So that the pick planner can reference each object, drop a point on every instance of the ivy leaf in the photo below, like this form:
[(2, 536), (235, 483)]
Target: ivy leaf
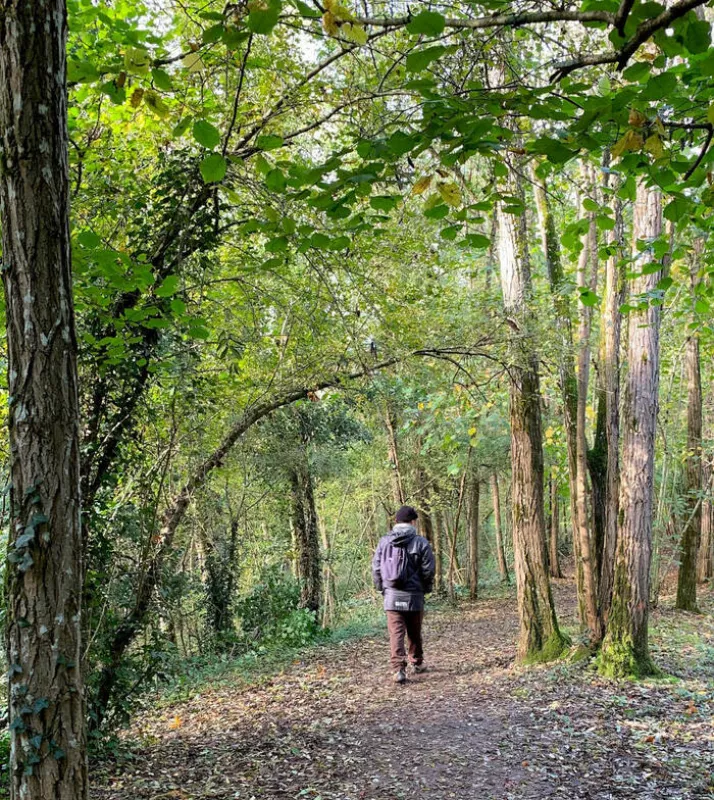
[(214, 168), (429, 23), (206, 134), (420, 60)]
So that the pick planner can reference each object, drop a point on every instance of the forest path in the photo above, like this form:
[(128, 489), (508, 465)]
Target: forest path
[(334, 727)]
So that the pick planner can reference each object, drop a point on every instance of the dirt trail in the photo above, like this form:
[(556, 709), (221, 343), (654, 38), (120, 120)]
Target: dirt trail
[(334, 727)]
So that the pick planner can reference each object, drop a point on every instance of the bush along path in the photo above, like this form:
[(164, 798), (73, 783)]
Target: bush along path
[(333, 726)]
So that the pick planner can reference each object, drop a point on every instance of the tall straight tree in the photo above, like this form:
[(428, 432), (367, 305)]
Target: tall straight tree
[(46, 700), (691, 535), (625, 648), (540, 638)]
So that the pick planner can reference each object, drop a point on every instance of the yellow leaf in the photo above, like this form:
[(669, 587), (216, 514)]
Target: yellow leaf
[(175, 724), (450, 193), (155, 103), (422, 185), (630, 141), (354, 32), (472, 431), (654, 145), (137, 60), (136, 97), (193, 62), (329, 23), (421, 406), (659, 126), (637, 119), (338, 11)]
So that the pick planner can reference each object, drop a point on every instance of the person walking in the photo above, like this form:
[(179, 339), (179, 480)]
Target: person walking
[(403, 570)]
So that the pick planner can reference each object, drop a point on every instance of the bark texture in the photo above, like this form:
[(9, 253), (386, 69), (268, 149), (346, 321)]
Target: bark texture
[(626, 648), (540, 637), (553, 554), (612, 328), (473, 520), (687, 578), (307, 537), (500, 552), (46, 700)]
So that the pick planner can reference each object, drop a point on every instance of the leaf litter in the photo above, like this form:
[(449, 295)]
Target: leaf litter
[(333, 727)]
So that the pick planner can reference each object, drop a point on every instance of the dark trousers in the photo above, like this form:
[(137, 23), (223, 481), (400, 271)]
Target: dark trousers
[(400, 623)]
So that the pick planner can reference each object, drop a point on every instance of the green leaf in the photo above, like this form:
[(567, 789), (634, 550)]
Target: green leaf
[(588, 297), (206, 134), (702, 307), (269, 142), (168, 286), (698, 36), (89, 239), (477, 240), (213, 34), (162, 80), (401, 143), (420, 59), (275, 180), (214, 168), (263, 16), (277, 245), (676, 209), (384, 203), (429, 23), (306, 10), (590, 205), (181, 127)]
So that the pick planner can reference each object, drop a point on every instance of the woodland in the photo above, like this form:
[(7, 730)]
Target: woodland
[(273, 268)]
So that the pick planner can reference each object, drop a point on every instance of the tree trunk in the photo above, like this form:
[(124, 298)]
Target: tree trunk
[(500, 552), (306, 536), (612, 327), (438, 544), (473, 535), (626, 649), (566, 362), (553, 554), (48, 757), (328, 579), (395, 472), (691, 535), (705, 562), (540, 637), (587, 277)]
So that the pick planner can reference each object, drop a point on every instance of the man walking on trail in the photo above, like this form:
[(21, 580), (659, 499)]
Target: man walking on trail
[(403, 570)]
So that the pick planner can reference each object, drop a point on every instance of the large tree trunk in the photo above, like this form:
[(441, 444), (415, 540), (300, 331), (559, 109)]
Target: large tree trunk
[(553, 554), (612, 327), (625, 649), (687, 579), (500, 552), (48, 758), (473, 519), (540, 637), (307, 537), (587, 585)]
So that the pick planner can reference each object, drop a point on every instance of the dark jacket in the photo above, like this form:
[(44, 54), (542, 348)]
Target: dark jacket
[(420, 580)]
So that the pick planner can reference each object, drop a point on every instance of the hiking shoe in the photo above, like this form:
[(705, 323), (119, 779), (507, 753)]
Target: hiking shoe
[(419, 668), (400, 677)]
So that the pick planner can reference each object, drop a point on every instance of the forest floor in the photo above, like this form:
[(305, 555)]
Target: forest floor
[(332, 725)]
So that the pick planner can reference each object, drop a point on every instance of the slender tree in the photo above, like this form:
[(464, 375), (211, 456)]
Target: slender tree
[(473, 523), (44, 583), (625, 648), (687, 577), (553, 554), (500, 552)]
